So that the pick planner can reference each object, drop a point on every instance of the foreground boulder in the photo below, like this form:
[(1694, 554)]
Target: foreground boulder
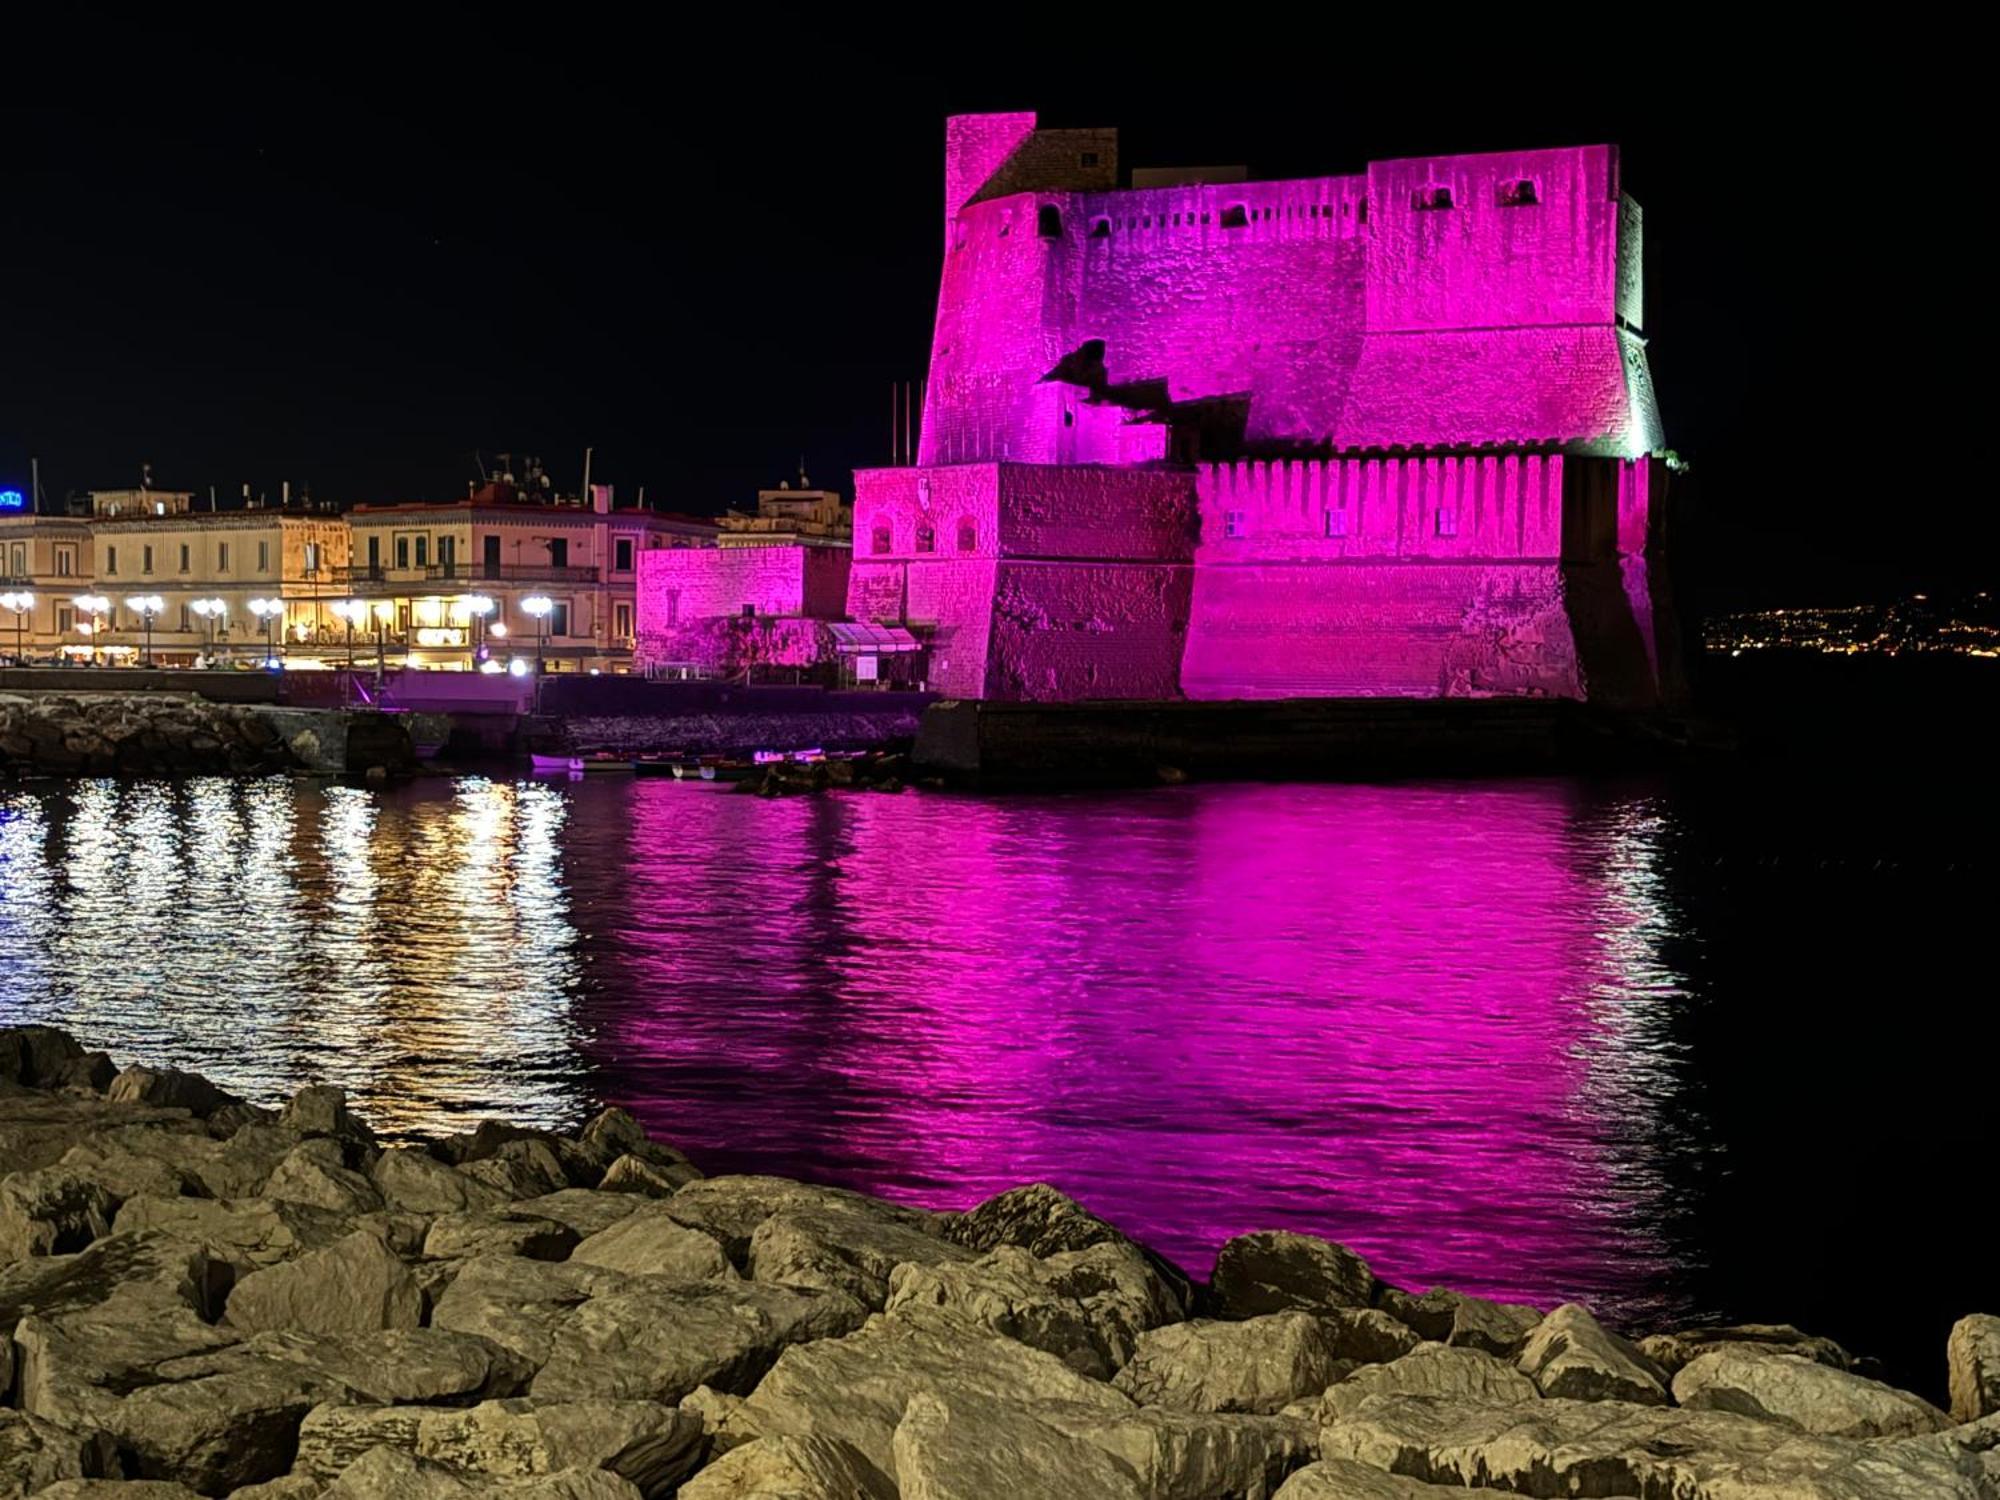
[(1446, 1317), (520, 1304), (389, 1474), (1558, 1447), (855, 1389), (1086, 1307), (837, 1249), (657, 1340), (962, 1448), (355, 1284), (1277, 1272), (651, 1242), (1039, 1219), (1802, 1393), (36, 1453), (790, 1468), (1570, 1354), (53, 1211), (1670, 1351), (1431, 1370), (1972, 1357), (1259, 1365)]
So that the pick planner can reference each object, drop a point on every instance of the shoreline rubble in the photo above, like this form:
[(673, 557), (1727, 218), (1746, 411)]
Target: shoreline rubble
[(203, 1297)]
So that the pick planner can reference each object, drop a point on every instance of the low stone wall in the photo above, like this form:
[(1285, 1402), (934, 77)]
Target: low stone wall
[(739, 733), (204, 1297)]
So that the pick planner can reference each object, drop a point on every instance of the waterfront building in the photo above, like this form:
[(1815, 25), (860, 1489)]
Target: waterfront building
[(44, 562), (788, 515), (1383, 433), (447, 581), (222, 586)]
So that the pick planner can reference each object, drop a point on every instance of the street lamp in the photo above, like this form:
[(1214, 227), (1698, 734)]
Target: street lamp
[(210, 611), (350, 612), (97, 607), (148, 607), (268, 610), (540, 607), (477, 608), (23, 605)]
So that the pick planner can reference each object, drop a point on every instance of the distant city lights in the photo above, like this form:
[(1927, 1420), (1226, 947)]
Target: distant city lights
[(13, 500), (1919, 624)]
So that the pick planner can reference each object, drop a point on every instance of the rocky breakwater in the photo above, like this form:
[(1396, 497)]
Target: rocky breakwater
[(202, 1297), (79, 734)]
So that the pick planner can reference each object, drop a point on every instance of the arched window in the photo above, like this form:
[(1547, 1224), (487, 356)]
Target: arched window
[(1100, 229), (1519, 194), (1048, 222), (882, 541), (1236, 216), (1434, 196), (927, 538), (968, 534)]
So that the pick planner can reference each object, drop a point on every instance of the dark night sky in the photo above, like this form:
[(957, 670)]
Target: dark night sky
[(351, 259)]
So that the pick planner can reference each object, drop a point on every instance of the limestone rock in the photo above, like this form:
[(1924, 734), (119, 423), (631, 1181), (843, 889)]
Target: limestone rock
[(614, 1134), (790, 1468), (286, 1487), (117, 1489), (35, 1453), (1496, 1328), (584, 1210), (314, 1174), (722, 1424), (250, 1233), (1431, 1369), (92, 1071), (1972, 1358), (124, 1173), (839, 1250), (388, 1365), (37, 1128), (36, 1056), (1672, 1350), (457, 1236), (1612, 1448), (138, 1275), (652, 1446), (1569, 1353), (318, 1109), (658, 1341), (389, 1474), (1257, 1365), (1343, 1479), (521, 1169), (51, 1211), (353, 1285), (854, 1389), (519, 1304), (170, 1088), (955, 1448), (1043, 1221), (1189, 1455), (730, 1209), (1086, 1307), (1366, 1335), (1277, 1271), (333, 1436), (417, 1182), (632, 1174), (651, 1242), (1801, 1393)]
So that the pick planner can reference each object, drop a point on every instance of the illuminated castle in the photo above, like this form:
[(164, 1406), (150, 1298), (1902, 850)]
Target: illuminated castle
[(1390, 433)]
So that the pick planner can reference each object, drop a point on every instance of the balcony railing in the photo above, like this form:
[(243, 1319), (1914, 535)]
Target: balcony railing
[(464, 573)]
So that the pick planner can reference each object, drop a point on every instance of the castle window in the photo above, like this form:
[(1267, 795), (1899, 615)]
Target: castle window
[(927, 538), (1520, 194), (749, 611), (1100, 229), (968, 534), (1048, 222), (1434, 196), (1361, 211), (1235, 523), (1087, 159), (1236, 216), (882, 541), (1204, 218), (1336, 523), (1069, 417), (1447, 523)]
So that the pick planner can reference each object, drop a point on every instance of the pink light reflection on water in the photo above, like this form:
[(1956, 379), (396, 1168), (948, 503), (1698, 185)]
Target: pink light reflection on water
[(1414, 1019)]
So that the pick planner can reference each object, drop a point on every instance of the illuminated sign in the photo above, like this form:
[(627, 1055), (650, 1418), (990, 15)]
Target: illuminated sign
[(440, 636), (12, 500)]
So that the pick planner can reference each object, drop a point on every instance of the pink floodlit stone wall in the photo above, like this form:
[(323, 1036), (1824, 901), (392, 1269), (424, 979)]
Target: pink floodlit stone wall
[(1040, 583), (1444, 301), (1418, 577), (684, 591)]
